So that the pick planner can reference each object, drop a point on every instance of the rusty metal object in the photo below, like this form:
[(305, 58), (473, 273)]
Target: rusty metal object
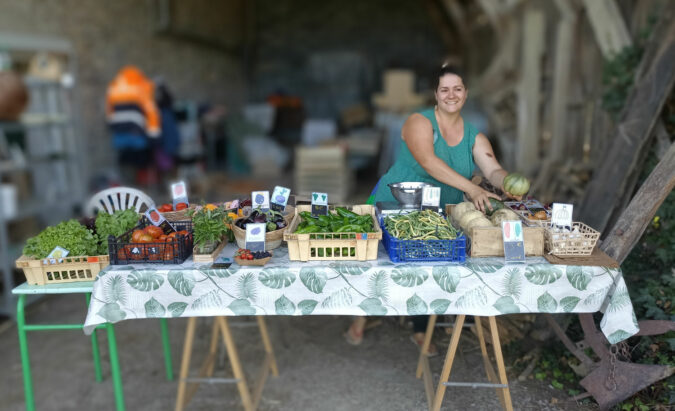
[(655, 327), (629, 378), (611, 380)]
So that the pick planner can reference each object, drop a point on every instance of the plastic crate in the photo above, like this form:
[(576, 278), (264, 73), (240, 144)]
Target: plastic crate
[(69, 269), (333, 246), (423, 250), (123, 251)]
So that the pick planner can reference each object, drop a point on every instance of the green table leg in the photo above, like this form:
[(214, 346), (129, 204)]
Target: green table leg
[(115, 368), (95, 350), (166, 344), (25, 361)]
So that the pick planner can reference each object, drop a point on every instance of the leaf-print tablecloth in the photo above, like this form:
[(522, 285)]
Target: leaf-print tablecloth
[(482, 286)]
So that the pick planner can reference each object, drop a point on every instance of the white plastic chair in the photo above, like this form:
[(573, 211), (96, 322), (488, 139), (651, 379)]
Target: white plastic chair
[(118, 198)]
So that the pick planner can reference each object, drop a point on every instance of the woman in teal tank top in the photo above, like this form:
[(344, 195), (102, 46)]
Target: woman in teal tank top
[(442, 149)]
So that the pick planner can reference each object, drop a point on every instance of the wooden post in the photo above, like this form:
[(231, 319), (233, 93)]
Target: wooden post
[(634, 220), (636, 124), (527, 155), (608, 25), (561, 80)]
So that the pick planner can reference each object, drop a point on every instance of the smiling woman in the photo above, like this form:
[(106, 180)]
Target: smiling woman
[(442, 149)]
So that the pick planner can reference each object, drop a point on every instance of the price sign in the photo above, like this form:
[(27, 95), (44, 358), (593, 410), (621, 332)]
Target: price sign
[(56, 255), (514, 243), (319, 204), (156, 218), (255, 236), (280, 198), (261, 200), (431, 198), (561, 215), (179, 194)]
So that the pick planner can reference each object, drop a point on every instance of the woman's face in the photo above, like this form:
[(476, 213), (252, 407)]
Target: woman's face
[(451, 93)]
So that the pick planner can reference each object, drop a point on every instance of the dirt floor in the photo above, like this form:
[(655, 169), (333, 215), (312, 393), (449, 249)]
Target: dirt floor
[(318, 370)]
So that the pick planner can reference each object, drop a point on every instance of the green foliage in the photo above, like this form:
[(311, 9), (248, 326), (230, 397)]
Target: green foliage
[(71, 235), (210, 225), (114, 224), (618, 74)]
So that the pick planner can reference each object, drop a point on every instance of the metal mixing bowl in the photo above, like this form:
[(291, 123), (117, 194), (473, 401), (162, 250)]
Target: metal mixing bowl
[(408, 193)]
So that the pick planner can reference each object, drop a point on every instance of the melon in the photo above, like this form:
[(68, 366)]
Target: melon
[(516, 184), (478, 222), (503, 215), (468, 216), (460, 209)]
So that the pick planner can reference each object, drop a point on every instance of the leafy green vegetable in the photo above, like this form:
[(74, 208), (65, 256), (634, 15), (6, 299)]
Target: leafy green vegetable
[(114, 224), (70, 235)]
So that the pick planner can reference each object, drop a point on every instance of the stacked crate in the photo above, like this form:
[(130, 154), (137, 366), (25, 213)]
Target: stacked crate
[(322, 169)]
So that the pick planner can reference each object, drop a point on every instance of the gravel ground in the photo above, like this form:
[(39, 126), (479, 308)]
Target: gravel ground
[(317, 369)]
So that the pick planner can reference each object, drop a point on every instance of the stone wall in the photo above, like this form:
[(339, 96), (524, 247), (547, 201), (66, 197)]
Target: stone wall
[(109, 34)]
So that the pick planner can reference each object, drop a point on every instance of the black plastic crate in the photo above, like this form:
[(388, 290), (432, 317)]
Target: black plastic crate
[(122, 250)]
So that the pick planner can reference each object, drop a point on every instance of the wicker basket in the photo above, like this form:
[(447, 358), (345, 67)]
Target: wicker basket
[(71, 269), (272, 238), (333, 246), (259, 262), (579, 242), (181, 215)]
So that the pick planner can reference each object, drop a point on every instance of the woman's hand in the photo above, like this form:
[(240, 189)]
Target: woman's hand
[(481, 198), (509, 195)]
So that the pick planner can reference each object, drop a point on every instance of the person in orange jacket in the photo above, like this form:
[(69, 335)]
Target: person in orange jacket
[(131, 87)]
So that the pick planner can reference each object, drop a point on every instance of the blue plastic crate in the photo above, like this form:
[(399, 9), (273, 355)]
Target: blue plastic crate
[(423, 250)]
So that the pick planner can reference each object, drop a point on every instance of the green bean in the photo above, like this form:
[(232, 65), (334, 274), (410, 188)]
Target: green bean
[(420, 225)]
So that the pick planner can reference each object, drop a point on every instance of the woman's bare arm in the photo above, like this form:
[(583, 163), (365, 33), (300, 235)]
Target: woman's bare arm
[(418, 136)]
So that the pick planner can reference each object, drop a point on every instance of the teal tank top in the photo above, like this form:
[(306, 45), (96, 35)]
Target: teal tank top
[(406, 168)]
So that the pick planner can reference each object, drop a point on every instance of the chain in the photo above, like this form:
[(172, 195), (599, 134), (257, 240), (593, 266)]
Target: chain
[(610, 382)]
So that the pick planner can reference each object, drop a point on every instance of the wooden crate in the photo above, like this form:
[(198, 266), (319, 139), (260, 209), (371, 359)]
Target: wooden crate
[(208, 258), (488, 241), (307, 247), (71, 269)]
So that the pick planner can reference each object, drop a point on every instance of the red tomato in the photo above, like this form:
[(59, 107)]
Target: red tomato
[(136, 236), (154, 231), (181, 206)]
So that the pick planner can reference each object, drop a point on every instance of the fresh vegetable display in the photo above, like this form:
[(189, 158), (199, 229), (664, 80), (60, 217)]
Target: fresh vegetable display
[(420, 225), (466, 215), (71, 235), (246, 254), (339, 221), (114, 224), (274, 220), (210, 226)]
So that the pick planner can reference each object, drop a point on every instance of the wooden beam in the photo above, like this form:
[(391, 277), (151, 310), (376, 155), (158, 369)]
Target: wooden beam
[(527, 155), (561, 79), (608, 25), (639, 213), (637, 121), (441, 24)]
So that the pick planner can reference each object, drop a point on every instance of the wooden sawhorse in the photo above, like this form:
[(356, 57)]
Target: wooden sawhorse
[(423, 370), (188, 386)]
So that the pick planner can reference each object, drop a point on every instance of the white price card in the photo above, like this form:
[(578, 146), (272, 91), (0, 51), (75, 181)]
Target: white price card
[(179, 193), (56, 255), (255, 236), (514, 243), (279, 198), (261, 200), (319, 204), (431, 198), (561, 215), (155, 217)]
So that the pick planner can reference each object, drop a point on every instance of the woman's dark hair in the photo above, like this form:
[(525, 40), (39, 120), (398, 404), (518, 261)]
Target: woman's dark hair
[(449, 69)]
